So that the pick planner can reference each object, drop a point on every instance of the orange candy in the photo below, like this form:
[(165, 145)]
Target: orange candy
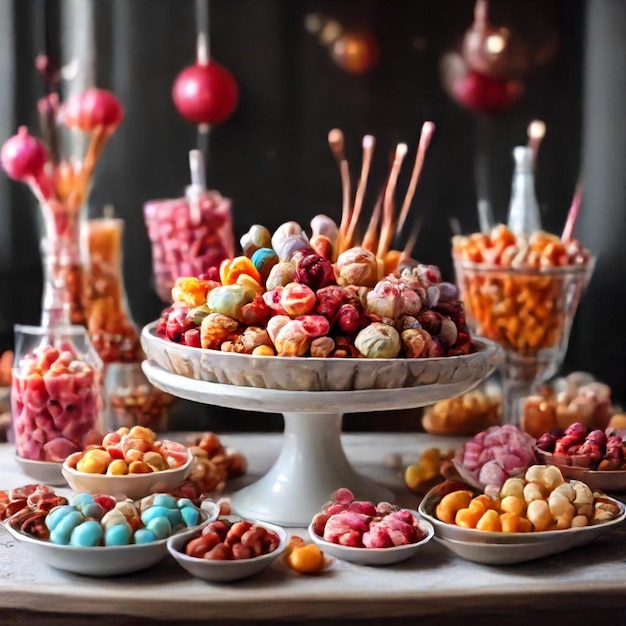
[(231, 269)]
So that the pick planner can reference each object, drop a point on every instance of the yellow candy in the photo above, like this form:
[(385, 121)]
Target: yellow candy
[(231, 269), (141, 432), (139, 467), (190, 290), (117, 468), (94, 462), (263, 351), (155, 461)]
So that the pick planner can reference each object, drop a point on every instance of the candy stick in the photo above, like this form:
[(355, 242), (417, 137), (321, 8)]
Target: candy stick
[(370, 239), (368, 151), (197, 187), (427, 133), (203, 57), (336, 143), (536, 132), (386, 231), (572, 216)]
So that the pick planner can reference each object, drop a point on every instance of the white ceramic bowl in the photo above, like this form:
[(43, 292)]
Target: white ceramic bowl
[(456, 374), (101, 560), (224, 571), (46, 472), (498, 548), (133, 486), (605, 480), (374, 556)]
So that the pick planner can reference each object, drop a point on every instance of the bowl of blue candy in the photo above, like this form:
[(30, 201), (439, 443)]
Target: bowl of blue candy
[(99, 535)]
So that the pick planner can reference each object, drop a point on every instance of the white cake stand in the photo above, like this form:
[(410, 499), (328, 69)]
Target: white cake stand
[(312, 463)]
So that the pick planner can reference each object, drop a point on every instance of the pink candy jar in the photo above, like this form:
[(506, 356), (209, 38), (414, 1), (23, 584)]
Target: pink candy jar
[(56, 391), (189, 235)]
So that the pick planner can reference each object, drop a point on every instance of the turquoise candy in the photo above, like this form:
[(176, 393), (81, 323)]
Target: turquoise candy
[(184, 502), (190, 515), (118, 535), (152, 512), (175, 517), (264, 260), (143, 535), (80, 499), (85, 503), (57, 514), (164, 499), (63, 529), (160, 527), (87, 534)]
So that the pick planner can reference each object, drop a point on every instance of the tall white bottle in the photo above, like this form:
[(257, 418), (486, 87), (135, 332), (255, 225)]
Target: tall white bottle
[(524, 217)]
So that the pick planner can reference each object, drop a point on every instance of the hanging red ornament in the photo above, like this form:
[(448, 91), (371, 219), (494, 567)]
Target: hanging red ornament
[(355, 52), (474, 90), (205, 93)]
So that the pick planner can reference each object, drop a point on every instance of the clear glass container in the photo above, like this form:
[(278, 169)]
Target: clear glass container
[(529, 313), (189, 235), (109, 322), (56, 397)]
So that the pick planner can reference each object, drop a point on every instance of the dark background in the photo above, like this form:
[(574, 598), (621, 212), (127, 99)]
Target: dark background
[(272, 156)]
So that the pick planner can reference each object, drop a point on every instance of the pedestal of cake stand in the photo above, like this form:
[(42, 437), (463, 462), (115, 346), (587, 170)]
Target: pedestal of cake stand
[(311, 465)]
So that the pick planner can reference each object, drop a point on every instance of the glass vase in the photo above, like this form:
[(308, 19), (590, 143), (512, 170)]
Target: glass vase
[(188, 237), (64, 257), (56, 391)]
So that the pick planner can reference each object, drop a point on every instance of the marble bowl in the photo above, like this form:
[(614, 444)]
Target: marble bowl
[(457, 373), (102, 561), (45, 472), (133, 486), (375, 556), (497, 548), (224, 571)]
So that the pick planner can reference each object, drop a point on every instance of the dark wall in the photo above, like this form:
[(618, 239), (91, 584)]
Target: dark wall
[(272, 156)]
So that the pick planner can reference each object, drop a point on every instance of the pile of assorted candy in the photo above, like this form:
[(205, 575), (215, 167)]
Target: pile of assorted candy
[(102, 520), (129, 451), (288, 295)]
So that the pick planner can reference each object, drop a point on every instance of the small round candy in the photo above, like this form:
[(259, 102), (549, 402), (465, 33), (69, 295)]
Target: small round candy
[(63, 530), (257, 237), (118, 468), (153, 512), (118, 535), (87, 534), (57, 514), (164, 499), (190, 515), (160, 527), (143, 535), (175, 517), (264, 260)]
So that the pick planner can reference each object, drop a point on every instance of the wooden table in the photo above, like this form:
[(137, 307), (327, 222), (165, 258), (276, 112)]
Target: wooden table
[(583, 586)]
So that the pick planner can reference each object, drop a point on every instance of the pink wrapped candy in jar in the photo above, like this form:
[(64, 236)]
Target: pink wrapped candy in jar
[(56, 391)]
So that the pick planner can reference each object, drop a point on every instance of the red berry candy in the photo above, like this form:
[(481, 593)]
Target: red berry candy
[(23, 156), (205, 94), (92, 108)]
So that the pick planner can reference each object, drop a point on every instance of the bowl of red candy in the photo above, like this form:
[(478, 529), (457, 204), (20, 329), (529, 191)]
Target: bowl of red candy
[(228, 548), (595, 457), (365, 533)]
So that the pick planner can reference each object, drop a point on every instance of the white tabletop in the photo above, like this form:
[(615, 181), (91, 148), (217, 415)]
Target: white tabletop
[(435, 582)]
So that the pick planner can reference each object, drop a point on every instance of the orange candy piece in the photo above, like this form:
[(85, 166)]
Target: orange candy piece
[(231, 269)]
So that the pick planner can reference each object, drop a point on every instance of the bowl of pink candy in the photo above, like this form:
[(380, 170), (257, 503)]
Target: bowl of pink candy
[(132, 462), (365, 533)]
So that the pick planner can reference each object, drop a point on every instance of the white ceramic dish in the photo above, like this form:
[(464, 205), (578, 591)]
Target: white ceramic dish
[(374, 556), (507, 548), (133, 486), (459, 373), (608, 480), (224, 571), (101, 560), (46, 472)]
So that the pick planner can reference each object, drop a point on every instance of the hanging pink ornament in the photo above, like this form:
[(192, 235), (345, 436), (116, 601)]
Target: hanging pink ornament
[(205, 93), (495, 52), (23, 156)]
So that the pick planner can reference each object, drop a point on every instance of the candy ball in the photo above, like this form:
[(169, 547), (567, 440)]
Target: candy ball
[(87, 534), (118, 535), (378, 341)]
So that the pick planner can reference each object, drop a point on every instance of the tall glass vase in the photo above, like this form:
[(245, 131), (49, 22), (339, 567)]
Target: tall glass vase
[(64, 258)]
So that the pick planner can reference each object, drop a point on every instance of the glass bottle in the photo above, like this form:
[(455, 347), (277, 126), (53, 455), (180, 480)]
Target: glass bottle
[(55, 392), (130, 399), (524, 216)]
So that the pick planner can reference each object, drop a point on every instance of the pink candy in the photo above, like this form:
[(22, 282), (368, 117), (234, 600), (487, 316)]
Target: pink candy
[(54, 409)]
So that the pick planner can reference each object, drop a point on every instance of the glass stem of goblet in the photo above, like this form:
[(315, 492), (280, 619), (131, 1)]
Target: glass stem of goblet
[(513, 391)]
